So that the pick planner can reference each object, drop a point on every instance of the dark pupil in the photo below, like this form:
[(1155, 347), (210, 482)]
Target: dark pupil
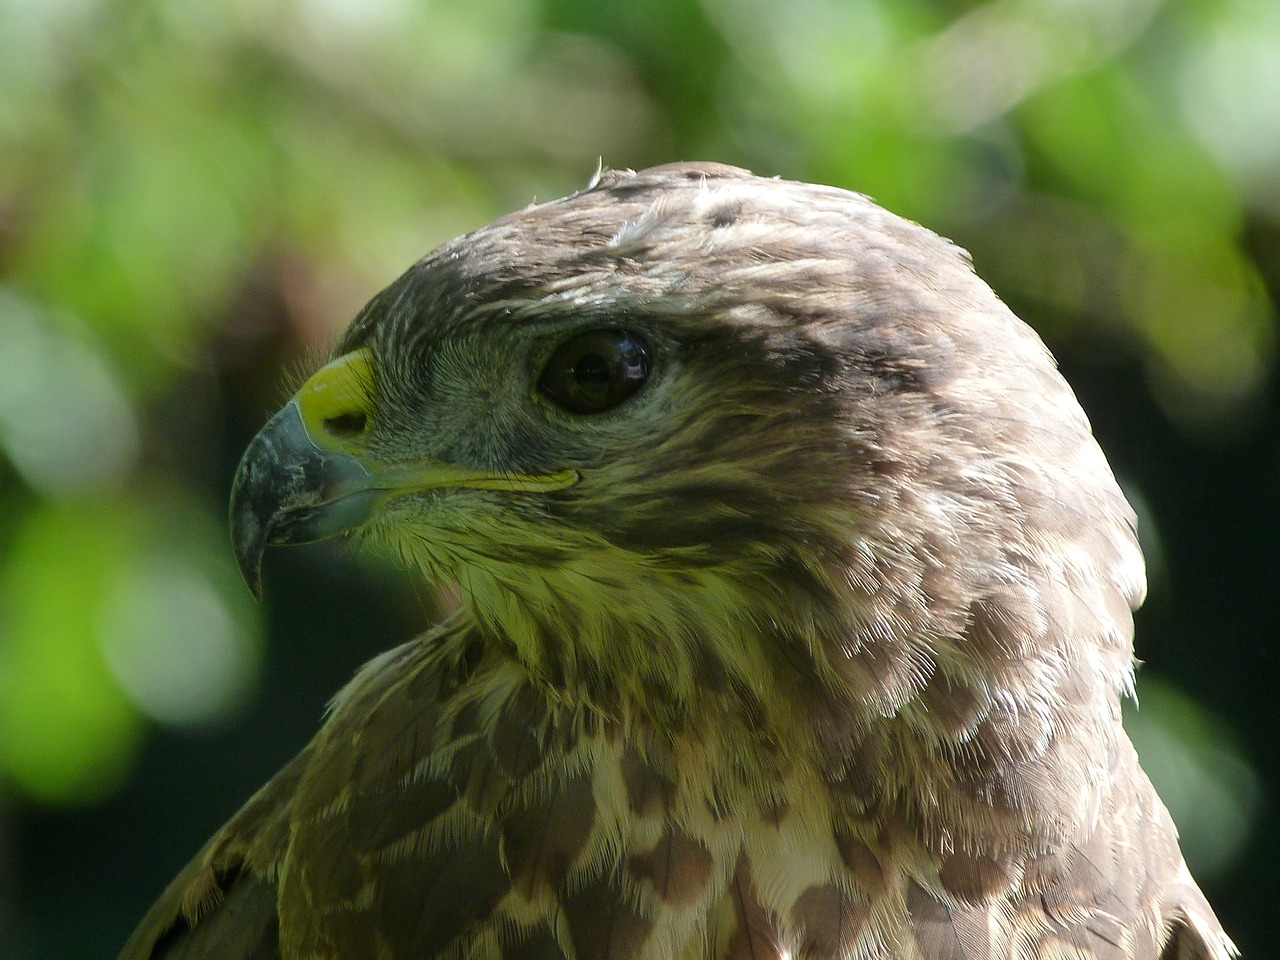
[(591, 374), (595, 371)]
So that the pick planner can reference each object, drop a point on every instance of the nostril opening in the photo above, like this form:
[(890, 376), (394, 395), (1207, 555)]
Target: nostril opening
[(346, 424)]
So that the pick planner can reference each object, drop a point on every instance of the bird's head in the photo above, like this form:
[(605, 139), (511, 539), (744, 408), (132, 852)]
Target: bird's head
[(691, 424)]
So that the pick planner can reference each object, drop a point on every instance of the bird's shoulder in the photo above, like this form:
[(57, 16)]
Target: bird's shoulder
[(226, 902), (223, 903)]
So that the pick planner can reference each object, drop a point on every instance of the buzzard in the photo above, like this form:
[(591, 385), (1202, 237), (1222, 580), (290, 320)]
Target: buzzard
[(795, 612)]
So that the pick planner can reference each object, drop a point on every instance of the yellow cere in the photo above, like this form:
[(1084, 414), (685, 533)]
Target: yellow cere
[(339, 399), (337, 406)]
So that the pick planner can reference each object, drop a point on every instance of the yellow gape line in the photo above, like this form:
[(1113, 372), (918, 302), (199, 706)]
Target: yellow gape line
[(337, 404)]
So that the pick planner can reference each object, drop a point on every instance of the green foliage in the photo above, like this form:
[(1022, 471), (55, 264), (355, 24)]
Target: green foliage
[(67, 731), (112, 611)]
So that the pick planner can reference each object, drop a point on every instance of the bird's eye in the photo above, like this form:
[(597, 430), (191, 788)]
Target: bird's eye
[(595, 371)]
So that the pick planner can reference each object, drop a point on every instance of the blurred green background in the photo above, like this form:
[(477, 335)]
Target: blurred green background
[(198, 194)]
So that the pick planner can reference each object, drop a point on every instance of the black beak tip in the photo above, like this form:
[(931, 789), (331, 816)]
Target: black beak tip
[(253, 579), (287, 490), (249, 533), (249, 550)]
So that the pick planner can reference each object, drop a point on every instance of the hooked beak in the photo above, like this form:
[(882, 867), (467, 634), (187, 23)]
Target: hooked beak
[(289, 489), (303, 478), (306, 476)]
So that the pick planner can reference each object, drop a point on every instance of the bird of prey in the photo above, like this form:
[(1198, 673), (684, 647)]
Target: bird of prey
[(795, 612)]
